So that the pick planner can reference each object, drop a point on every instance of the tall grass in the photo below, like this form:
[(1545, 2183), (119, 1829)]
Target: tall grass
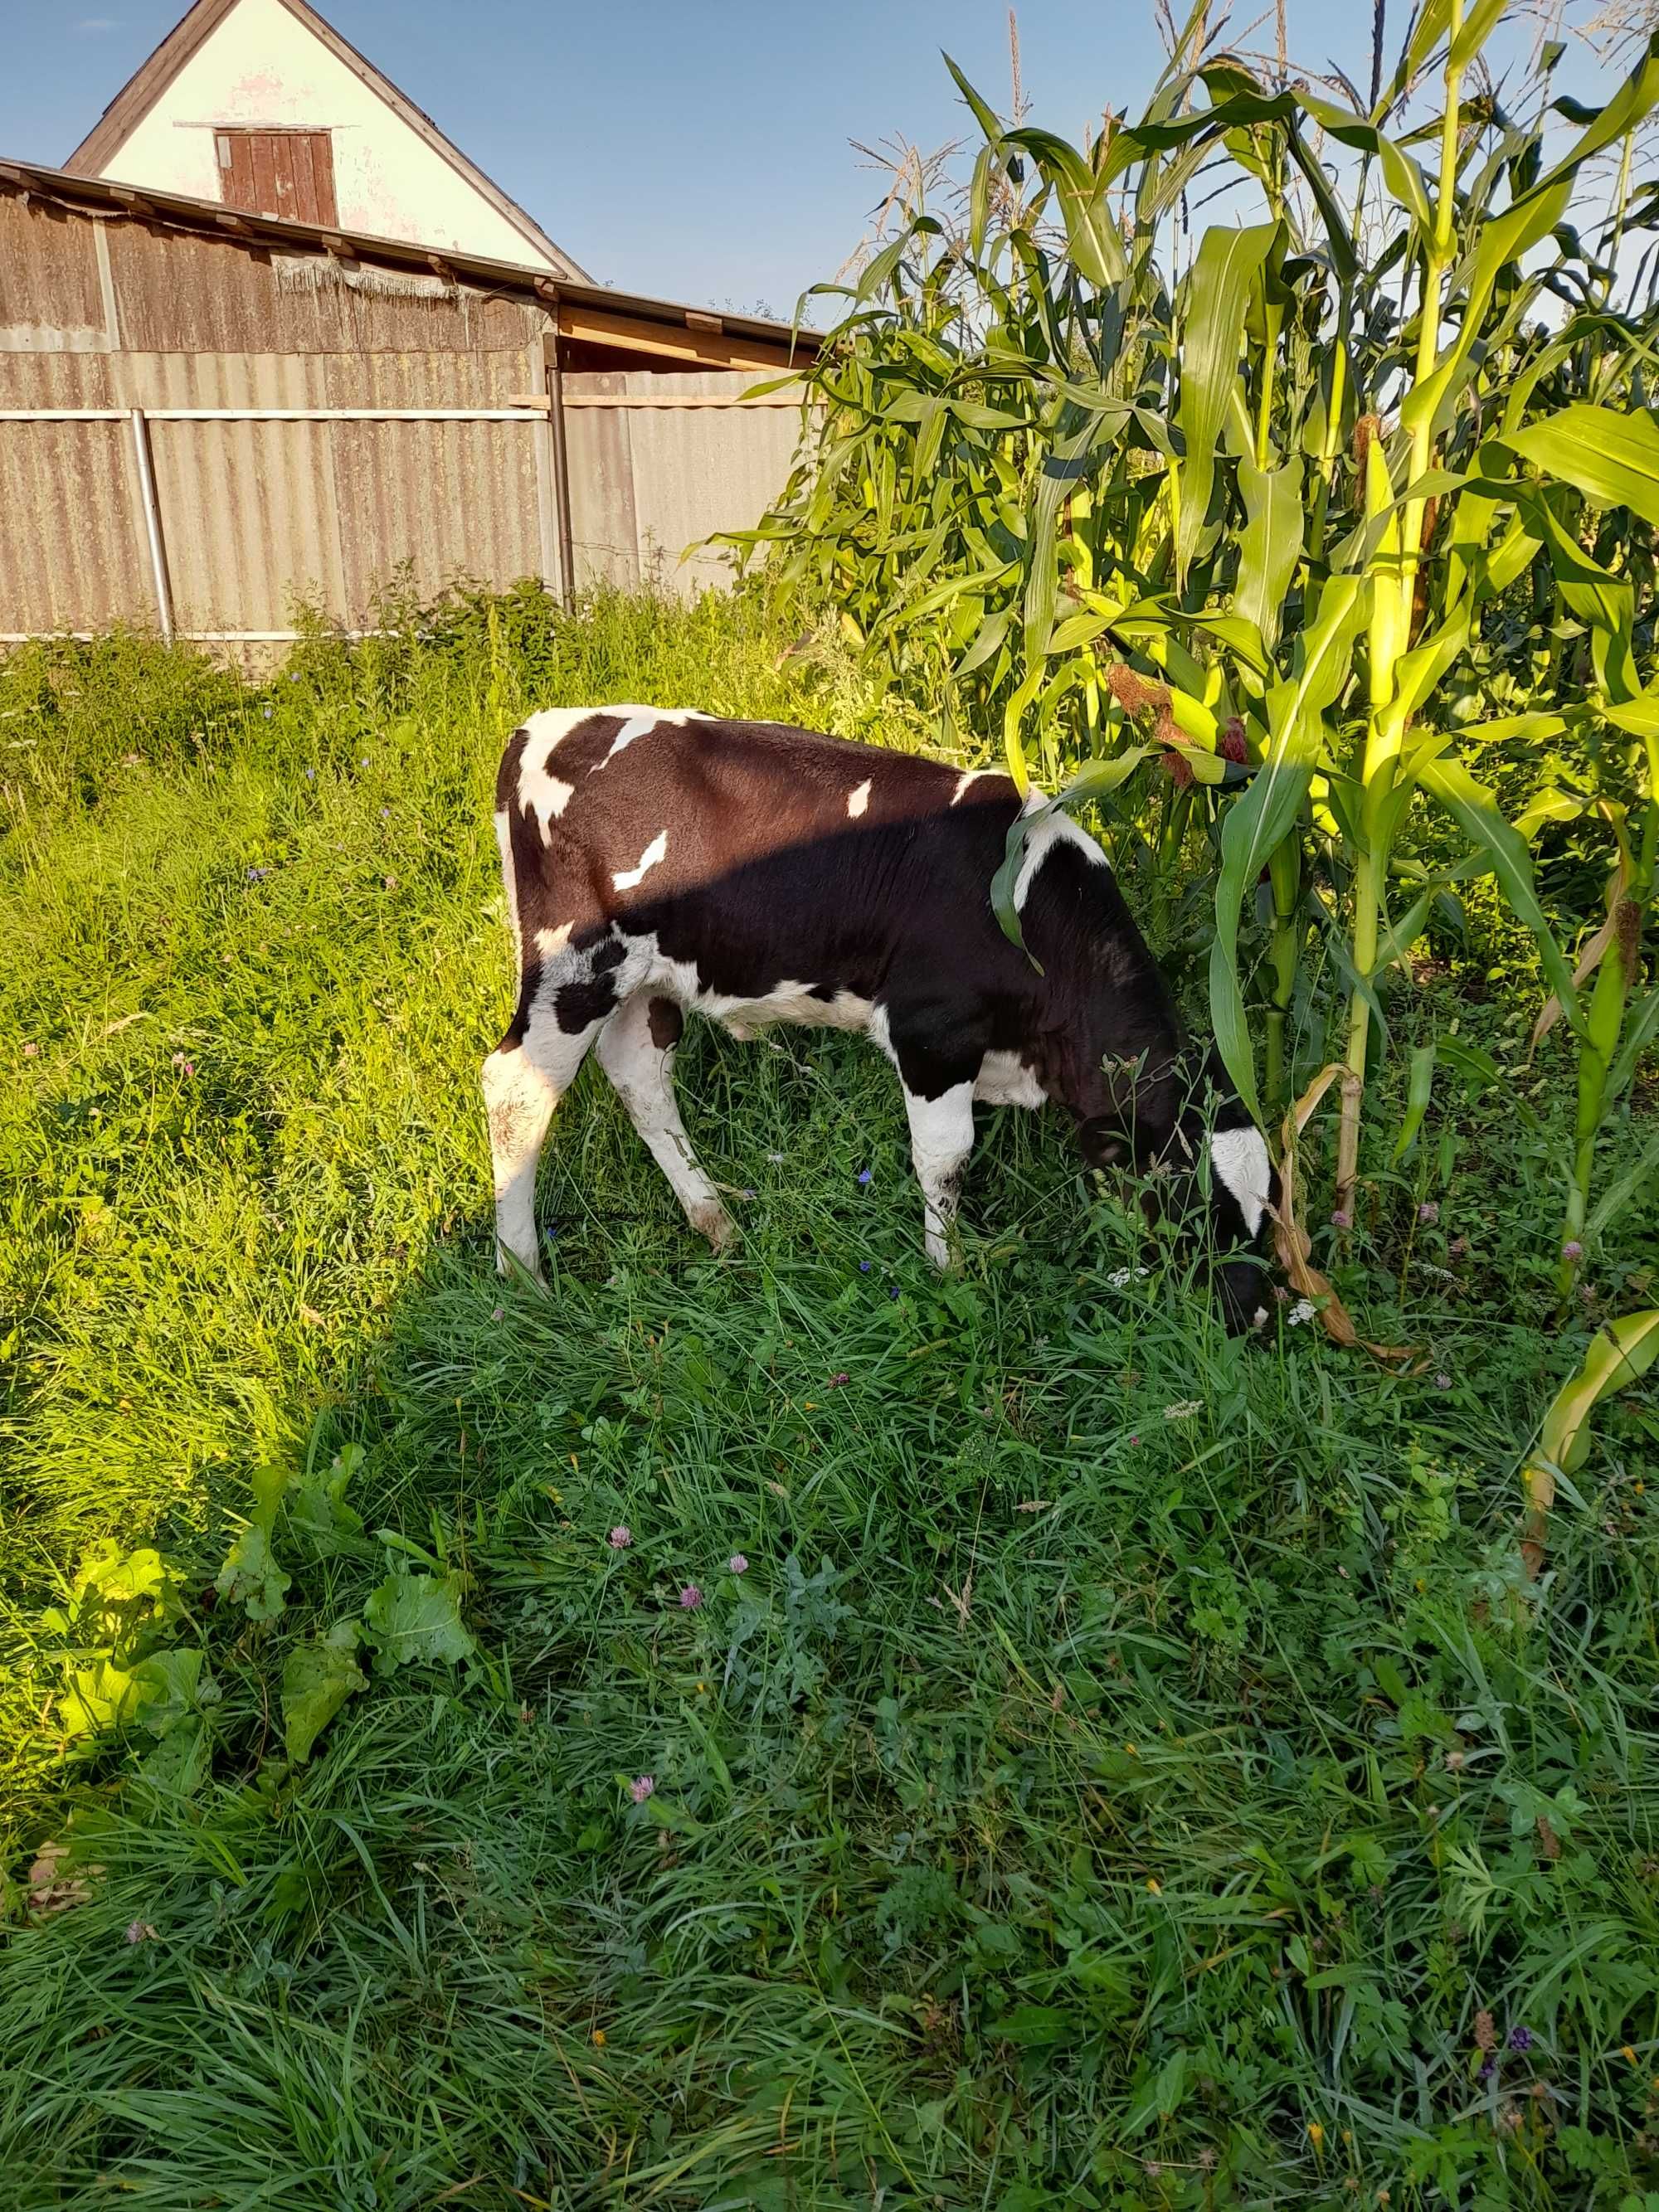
[(1132, 1769)]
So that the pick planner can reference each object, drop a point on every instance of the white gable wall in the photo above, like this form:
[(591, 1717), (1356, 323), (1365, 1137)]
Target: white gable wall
[(262, 67)]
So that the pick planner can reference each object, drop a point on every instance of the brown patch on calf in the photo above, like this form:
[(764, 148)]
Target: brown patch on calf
[(665, 1021)]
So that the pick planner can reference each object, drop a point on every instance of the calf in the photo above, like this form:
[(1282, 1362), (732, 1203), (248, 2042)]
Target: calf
[(659, 860)]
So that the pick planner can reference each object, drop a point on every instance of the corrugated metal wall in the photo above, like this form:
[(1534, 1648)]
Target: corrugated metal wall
[(651, 474), (260, 517)]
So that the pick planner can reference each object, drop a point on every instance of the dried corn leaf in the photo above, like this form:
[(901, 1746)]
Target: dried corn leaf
[(1290, 1239)]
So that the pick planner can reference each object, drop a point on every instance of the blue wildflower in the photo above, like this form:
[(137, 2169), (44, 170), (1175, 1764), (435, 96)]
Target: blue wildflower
[(864, 1266), (1520, 2039), (865, 1175)]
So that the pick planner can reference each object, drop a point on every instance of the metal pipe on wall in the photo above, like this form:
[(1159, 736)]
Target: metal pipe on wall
[(560, 467), (158, 552)]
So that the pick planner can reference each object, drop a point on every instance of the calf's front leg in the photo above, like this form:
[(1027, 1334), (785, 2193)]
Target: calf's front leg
[(941, 1139)]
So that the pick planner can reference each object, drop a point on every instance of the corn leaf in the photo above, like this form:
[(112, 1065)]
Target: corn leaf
[(1419, 1085), (1271, 545), (1639, 715), (1477, 815), (1641, 1030), (1623, 1353), (1611, 457), (1228, 264), (1618, 1194), (1268, 806)]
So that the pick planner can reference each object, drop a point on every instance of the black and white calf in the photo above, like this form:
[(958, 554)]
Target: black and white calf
[(659, 860)]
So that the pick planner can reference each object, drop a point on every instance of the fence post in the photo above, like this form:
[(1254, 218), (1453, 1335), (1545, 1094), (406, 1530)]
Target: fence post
[(554, 376), (158, 554)]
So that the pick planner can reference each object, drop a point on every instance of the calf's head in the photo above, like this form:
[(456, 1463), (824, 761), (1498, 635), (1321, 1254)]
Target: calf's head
[(1178, 1121)]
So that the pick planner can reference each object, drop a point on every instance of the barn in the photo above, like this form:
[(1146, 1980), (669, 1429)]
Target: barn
[(225, 398)]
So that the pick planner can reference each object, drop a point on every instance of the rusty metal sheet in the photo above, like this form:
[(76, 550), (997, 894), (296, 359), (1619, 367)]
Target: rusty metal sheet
[(180, 292), (57, 380), (72, 551), (258, 516), (671, 476), (220, 379), (446, 501), (604, 527), (489, 378), (51, 298), (249, 515)]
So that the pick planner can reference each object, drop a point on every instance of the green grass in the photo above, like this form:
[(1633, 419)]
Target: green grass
[(1131, 1763)]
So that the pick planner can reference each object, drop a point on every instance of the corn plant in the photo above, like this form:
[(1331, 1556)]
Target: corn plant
[(1306, 529)]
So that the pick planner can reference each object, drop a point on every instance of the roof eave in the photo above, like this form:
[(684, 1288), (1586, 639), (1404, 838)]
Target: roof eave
[(209, 219)]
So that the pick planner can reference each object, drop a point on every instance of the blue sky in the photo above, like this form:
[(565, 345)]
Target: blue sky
[(694, 149)]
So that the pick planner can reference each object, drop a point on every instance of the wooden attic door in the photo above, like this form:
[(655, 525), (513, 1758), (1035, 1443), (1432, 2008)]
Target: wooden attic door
[(283, 173)]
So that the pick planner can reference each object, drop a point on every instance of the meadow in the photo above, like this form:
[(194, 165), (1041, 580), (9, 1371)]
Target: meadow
[(1092, 1761)]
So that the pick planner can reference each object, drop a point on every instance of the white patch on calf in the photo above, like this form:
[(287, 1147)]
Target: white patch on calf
[(1055, 829), (637, 726), (509, 876), (967, 779), (548, 731), (656, 850), (1005, 1079), (1239, 1159), (552, 942), (858, 801), (797, 1003), (546, 794), (522, 1086)]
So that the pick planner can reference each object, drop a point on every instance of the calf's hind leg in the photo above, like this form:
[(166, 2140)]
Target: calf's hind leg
[(523, 1079), (636, 1051)]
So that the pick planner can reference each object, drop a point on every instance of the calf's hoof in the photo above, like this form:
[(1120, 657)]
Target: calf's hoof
[(513, 1266), (715, 1223)]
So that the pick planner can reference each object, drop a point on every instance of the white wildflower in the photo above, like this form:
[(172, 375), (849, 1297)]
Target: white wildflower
[(1304, 1309), (1185, 1411)]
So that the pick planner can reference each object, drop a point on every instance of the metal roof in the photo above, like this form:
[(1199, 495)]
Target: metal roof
[(713, 339)]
